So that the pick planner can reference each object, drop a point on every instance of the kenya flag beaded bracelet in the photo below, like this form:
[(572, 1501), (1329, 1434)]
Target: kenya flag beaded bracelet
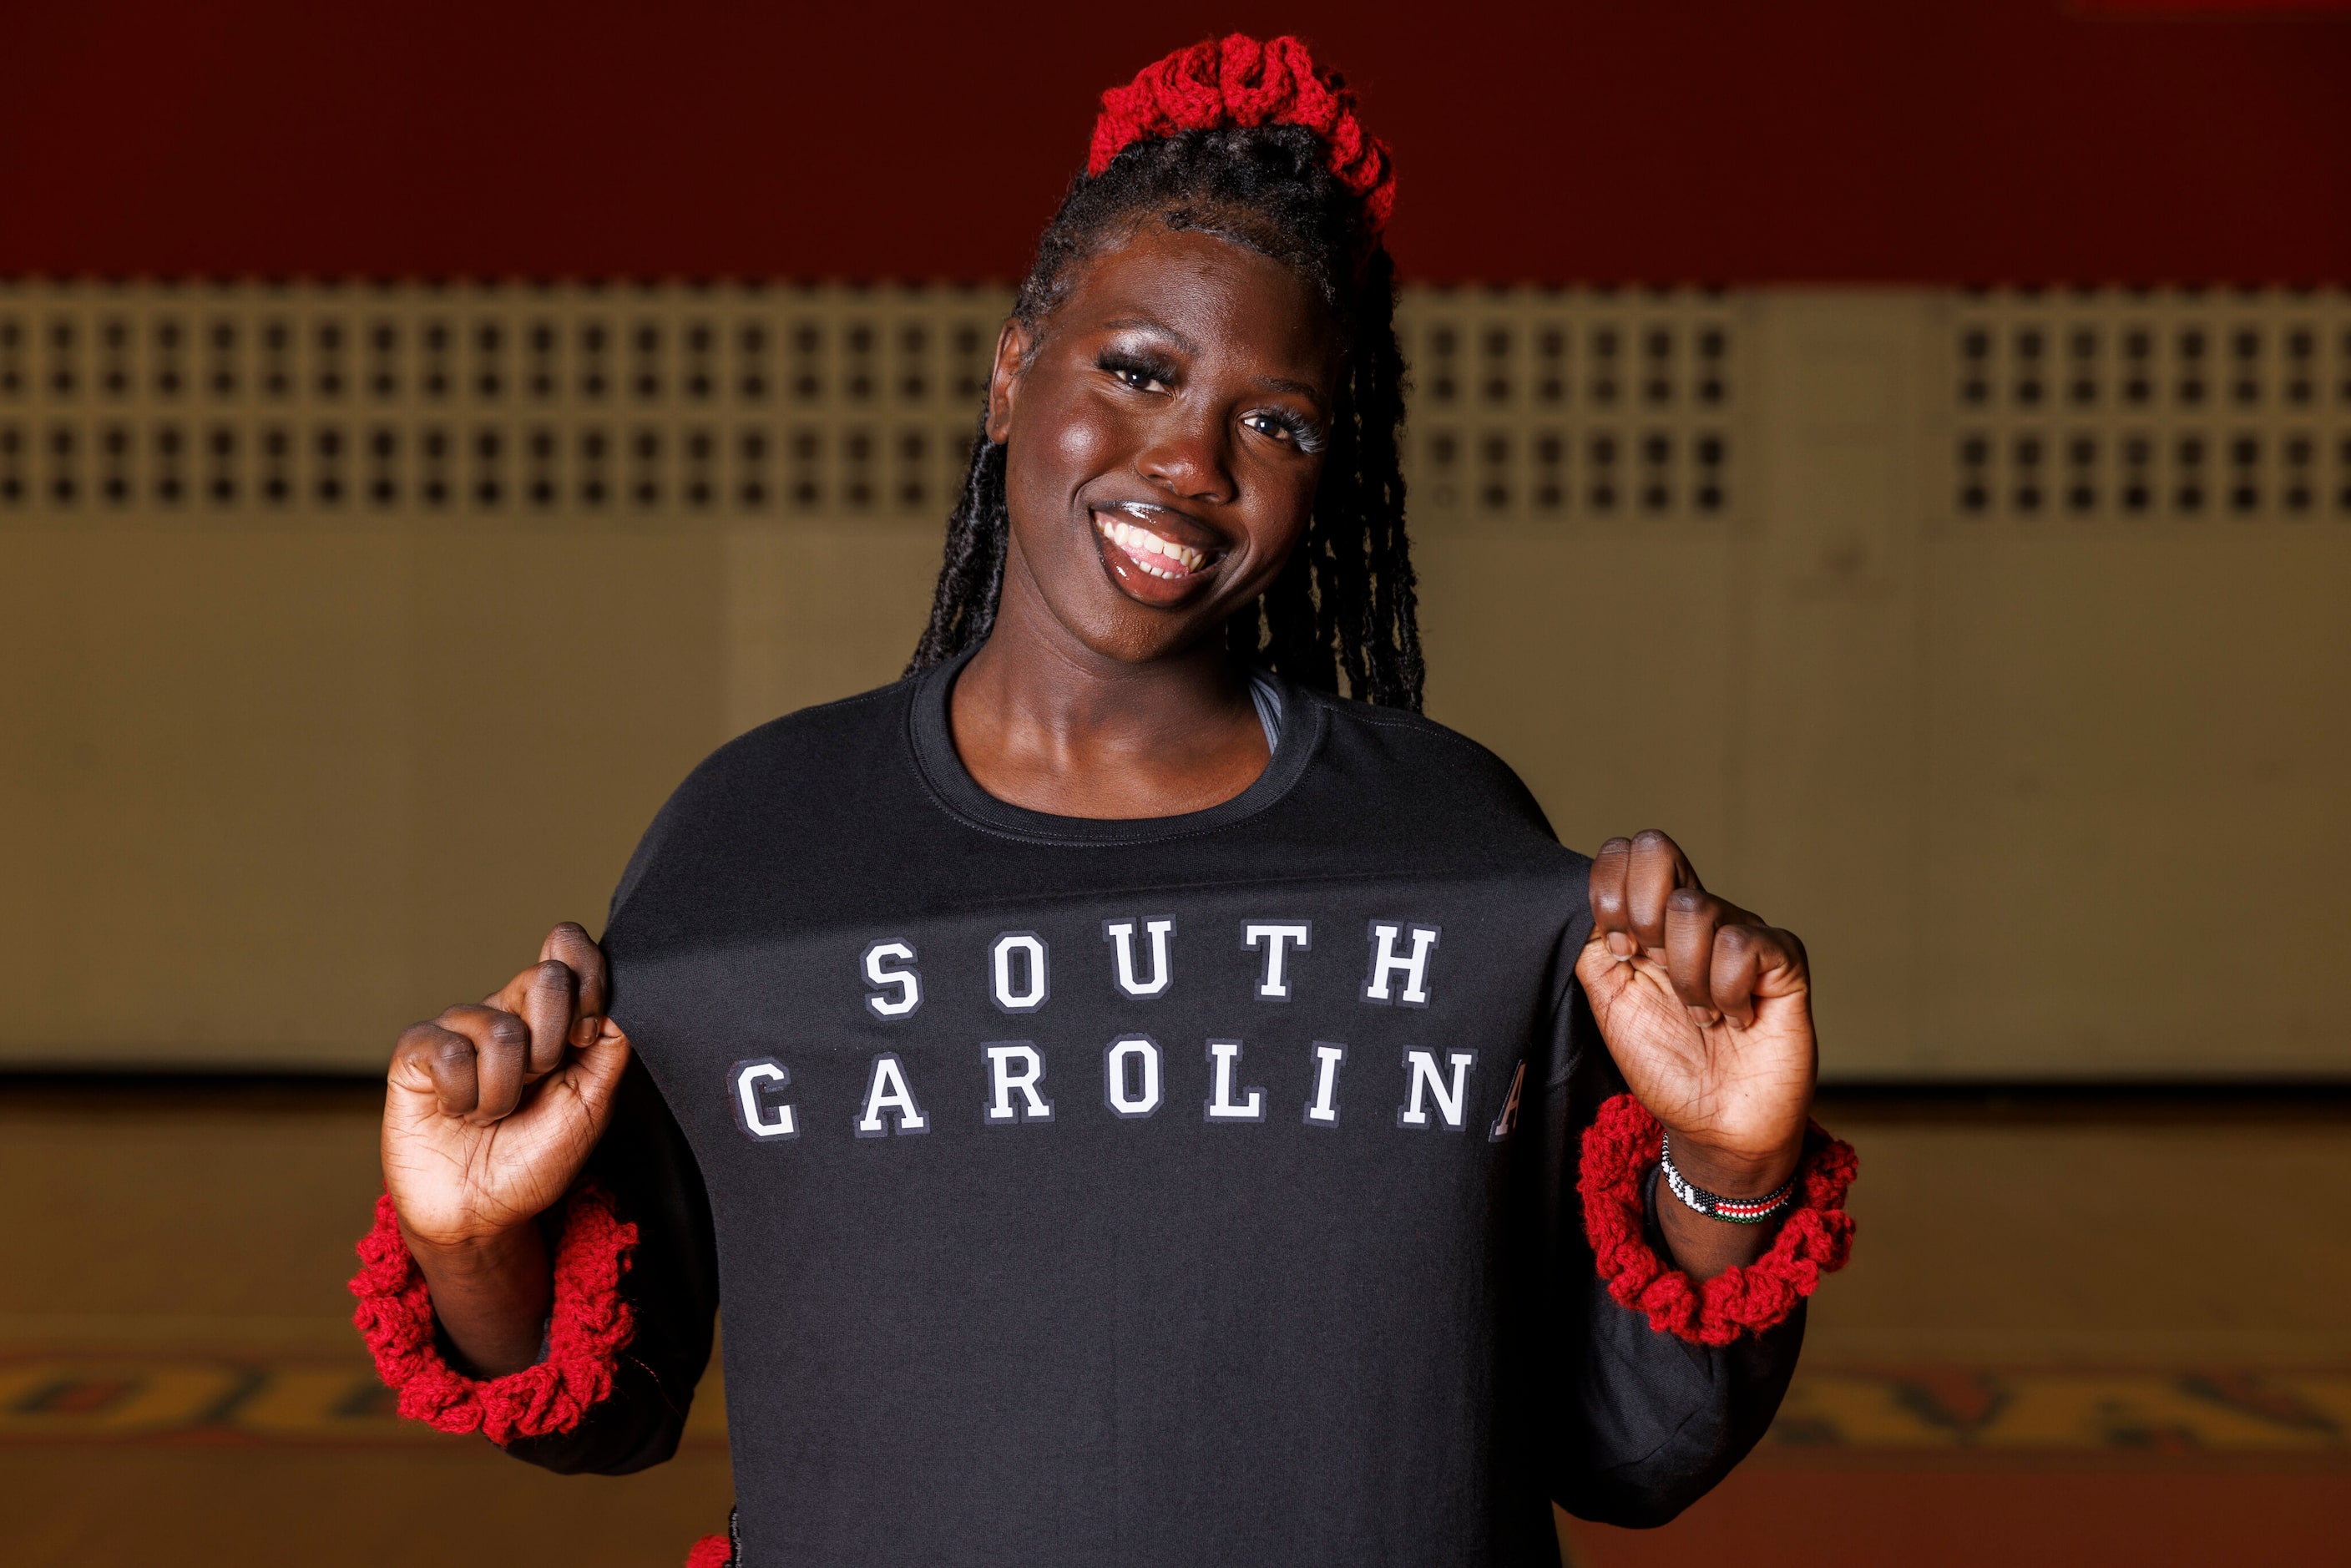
[(1714, 1206)]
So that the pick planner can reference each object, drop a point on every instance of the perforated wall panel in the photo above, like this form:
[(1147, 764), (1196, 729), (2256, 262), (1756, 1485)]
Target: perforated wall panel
[(1608, 407), (673, 402), (1538, 405), (2118, 404), (655, 404)]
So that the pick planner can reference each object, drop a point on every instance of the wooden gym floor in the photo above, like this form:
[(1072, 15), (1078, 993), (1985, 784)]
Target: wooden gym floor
[(2079, 1329)]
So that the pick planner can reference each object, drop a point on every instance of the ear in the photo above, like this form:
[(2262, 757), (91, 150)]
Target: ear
[(1014, 345)]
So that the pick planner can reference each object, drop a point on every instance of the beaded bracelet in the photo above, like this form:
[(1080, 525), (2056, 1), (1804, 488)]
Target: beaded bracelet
[(1714, 1206)]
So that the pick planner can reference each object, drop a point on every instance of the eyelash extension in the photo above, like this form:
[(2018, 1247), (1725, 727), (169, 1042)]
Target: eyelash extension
[(1116, 363), (1303, 430)]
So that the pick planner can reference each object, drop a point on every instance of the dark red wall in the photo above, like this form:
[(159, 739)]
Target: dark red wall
[(1649, 140)]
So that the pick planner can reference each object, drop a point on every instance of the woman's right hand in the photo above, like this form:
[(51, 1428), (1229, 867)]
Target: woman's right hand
[(493, 1110)]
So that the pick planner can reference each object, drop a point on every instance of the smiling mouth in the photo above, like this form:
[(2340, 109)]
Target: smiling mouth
[(1152, 553)]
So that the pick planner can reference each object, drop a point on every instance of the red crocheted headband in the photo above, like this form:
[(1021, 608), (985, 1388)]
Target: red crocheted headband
[(1239, 81)]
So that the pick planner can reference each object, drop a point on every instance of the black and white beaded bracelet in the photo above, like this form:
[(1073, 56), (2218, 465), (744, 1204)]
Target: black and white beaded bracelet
[(1714, 1206)]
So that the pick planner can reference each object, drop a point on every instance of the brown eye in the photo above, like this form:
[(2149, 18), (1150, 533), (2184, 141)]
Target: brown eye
[(1135, 374), (1285, 427)]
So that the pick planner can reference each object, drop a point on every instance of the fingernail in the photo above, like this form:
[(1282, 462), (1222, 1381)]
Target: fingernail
[(1621, 944)]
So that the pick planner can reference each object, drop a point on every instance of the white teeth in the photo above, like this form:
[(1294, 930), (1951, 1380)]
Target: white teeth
[(1140, 542)]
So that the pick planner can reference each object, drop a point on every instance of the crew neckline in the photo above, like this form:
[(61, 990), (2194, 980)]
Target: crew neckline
[(953, 786)]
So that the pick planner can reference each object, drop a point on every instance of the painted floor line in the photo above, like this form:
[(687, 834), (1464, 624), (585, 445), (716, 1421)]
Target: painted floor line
[(114, 1396)]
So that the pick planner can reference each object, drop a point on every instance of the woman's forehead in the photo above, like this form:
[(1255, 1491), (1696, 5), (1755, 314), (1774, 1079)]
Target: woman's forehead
[(1215, 296)]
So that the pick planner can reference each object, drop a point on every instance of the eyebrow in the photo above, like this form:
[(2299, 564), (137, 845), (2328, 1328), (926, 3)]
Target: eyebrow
[(1307, 390), (1162, 328)]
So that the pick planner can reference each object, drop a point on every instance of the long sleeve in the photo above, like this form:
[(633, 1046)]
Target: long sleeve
[(1643, 1416), (636, 1294), (671, 1288)]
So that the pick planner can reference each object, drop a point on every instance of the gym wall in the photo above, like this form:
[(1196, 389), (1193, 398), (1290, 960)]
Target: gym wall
[(1991, 640)]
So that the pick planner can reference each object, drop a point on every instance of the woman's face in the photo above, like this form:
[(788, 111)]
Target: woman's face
[(1164, 434)]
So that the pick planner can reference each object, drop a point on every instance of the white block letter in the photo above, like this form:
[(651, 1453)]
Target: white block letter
[(1017, 964), (1121, 934), (1271, 936), (1222, 1106), (1450, 1101), (1322, 1110), (752, 1082), (1015, 1064), (1385, 963), (886, 1089), (905, 982), (1130, 1077)]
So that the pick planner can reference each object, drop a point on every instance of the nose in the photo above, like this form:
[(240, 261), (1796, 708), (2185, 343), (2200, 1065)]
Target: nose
[(1189, 455)]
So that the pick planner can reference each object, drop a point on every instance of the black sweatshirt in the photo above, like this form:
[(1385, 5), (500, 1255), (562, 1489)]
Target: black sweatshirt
[(1195, 1189)]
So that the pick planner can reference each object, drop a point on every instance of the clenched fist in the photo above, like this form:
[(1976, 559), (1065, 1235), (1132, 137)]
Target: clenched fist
[(490, 1114), (1708, 1012)]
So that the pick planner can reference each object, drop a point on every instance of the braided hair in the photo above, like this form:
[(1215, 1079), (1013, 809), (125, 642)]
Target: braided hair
[(1246, 141)]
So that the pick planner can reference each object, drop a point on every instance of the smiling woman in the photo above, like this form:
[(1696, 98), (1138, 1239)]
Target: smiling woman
[(1208, 336), (1155, 796), (1189, 387)]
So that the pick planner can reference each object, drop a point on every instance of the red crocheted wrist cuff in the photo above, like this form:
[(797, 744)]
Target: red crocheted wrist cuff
[(1620, 1149), (711, 1551), (590, 1326)]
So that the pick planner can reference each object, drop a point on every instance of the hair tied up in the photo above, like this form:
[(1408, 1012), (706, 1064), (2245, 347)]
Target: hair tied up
[(1239, 82), (1243, 140)]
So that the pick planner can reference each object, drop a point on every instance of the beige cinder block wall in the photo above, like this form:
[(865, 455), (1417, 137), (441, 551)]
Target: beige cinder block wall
[(350, 637)]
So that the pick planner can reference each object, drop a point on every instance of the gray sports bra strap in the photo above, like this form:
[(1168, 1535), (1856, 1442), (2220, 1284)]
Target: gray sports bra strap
[(1266, 693)]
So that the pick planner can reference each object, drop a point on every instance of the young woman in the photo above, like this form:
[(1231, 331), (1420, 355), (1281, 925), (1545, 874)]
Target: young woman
[(1137, 1104)]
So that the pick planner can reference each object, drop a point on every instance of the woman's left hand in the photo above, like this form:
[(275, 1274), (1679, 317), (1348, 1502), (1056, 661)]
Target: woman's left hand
[(1707, 1011)]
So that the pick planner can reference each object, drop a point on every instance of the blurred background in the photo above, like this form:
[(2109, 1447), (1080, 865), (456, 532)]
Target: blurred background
[(426, 432)]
